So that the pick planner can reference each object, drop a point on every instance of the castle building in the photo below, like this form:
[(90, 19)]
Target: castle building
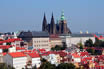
[(59, 28)]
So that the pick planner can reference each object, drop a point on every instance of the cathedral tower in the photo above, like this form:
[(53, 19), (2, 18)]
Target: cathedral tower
[(52, 26), (44, 25), (63, 29)]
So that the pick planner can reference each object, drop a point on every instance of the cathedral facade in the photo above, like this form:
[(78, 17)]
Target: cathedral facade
[(56, 28)]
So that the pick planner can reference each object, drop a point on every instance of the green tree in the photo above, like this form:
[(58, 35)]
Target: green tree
[(64, 46), (5, 50), (4, 66), (66, 66), (56, 48), (98, 52), (47, 65), (80, 45), (89, 43), (92, 51), (9, 43)]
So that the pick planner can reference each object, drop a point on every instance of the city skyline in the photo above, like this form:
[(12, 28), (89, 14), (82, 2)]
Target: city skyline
[(28, 15)]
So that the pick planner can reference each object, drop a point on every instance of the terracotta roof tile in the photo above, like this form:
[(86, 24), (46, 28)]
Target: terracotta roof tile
[(17, 54)]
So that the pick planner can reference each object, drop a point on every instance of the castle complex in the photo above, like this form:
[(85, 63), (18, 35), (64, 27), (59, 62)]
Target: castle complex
[(59, 28)]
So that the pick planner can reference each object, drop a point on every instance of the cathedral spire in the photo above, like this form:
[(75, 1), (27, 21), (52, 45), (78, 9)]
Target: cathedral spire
[(52, 25), (44, 26)]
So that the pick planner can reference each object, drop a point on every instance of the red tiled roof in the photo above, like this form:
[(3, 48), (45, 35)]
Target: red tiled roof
[(75, 55), (20, 48), (83, 53), (62, 54), (1, 39), (5, 46), (17, 54), (10, 40), (4, 53), (33, 55), (26, 51), (42, 50)]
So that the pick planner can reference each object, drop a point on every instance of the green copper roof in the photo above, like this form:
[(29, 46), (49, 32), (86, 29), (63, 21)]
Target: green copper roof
[(62, 16)]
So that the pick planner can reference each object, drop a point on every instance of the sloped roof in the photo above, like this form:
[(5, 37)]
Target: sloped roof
[(5, 46), (40, 34), (81, 35), (25, 34), (20, 48), (75, 55), (17, 54), (33, 34), (11, 40), (33, 55)]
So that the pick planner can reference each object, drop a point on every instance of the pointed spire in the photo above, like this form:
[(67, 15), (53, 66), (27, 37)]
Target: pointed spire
[(52, 19), (44, 18), (44, 23), (52, 30)]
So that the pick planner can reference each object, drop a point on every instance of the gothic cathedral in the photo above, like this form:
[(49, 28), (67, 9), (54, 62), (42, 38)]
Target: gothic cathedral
[(59, 28)]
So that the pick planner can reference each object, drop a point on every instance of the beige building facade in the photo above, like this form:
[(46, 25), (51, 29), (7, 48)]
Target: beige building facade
[(41, 43)]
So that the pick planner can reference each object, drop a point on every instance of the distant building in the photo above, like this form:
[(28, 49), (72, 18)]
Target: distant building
[(74, 39), (59, 28), (35, 59), (38, 40), (26, 36), (16, 59), (55, 40)]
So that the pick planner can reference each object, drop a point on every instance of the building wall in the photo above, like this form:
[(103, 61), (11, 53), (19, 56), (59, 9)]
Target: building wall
[(54, 42), (8, 60), (16, 43), (20, 62), (76, 60), (40, 43), (36, 61), (17, 63), (76, 40), (1, 58)]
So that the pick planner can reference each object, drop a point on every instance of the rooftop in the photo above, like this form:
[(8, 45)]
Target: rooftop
[(17, 54), (33, 55), (81, 35), (40, 34)]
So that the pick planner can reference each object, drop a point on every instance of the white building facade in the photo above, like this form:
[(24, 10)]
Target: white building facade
[(74, 39), (16, 62)]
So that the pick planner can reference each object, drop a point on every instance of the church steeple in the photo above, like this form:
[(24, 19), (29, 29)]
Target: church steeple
[(62, 16), (44, 26), (52, 25)]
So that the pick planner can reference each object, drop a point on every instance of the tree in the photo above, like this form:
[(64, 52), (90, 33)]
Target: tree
[(98, 52), (4, 66), (57, 48), (47, 65), (5, 50), (66, 66), (43, 60), (64, 46), (89, 43), (34, 67), (8, 43), (92, 51), (80, 45), (97, 41)]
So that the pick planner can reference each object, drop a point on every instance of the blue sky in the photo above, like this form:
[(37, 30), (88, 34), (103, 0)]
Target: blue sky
[(28, 14)]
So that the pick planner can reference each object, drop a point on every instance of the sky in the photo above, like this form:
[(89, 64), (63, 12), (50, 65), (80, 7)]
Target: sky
[(16, 15)]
